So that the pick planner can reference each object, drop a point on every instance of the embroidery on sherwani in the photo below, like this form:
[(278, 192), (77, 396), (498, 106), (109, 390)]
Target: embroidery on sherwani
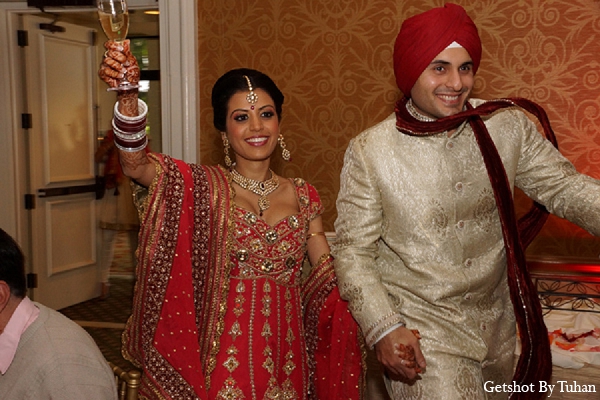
[(467, 381), (485, 211), (437, 218), (354, 295)]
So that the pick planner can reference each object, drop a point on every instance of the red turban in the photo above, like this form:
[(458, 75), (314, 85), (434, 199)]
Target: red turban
[(424, 36)]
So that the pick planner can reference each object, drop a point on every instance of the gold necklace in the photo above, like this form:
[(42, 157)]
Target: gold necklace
[(262, 189), (413, 111)]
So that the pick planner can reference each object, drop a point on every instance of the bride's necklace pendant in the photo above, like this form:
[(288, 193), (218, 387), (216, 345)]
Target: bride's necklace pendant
[(262, 189), (263, 204)]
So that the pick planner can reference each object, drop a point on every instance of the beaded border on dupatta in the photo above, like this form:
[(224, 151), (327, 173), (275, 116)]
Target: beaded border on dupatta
[(220, 242)]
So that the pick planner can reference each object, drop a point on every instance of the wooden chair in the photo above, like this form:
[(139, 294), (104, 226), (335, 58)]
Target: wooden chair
[(128, 382)]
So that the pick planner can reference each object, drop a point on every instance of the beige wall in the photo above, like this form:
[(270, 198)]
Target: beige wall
[(333, 61)]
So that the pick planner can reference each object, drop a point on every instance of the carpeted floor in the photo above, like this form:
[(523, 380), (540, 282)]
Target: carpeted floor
[(104, 319)]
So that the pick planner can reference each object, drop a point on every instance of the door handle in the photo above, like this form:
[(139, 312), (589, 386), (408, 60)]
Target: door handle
[(97, 188)]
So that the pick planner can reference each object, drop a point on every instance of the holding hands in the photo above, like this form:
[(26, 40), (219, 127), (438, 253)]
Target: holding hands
[(400, 354)]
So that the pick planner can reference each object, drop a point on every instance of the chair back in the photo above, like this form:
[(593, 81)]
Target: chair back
[(128, 382)]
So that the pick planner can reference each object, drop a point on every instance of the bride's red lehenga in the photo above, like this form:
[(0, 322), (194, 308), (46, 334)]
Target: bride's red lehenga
[(263, 349), (221, 309)]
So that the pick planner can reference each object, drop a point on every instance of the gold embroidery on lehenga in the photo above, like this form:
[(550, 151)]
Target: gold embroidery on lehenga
[(236, 330), (267, 266), (271, 237), (290, 337), (266, 307), (293, 222), (288, 391), (230, 391), (289, 366), (231, 363), (273, 393), (238, 308), (269, 365), (266, 331), (266, 311), (242, 255)]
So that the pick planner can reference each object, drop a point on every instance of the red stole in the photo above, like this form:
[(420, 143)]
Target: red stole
[(182, 278)]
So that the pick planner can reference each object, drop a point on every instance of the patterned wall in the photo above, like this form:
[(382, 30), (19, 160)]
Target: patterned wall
[(333, 62)]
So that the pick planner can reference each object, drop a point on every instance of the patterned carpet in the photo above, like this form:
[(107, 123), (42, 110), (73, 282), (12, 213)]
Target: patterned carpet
[(104, 319)]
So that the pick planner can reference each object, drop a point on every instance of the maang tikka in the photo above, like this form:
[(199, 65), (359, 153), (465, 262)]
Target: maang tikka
[(251, 97)]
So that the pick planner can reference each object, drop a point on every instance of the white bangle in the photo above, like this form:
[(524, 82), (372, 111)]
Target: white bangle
[(132, 149), (142, 111)]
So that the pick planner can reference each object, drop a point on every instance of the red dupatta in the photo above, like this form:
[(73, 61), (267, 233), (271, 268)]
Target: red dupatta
[(535, 361), (182, 280), (337, 354)]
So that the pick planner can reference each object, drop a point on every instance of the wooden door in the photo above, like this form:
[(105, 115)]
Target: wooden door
[(60, 70)]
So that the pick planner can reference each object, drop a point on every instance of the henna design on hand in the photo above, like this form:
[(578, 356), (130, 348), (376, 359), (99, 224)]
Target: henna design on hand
[(133, 71), (128, 103), (131, 161), (407, 354), (118, 62)]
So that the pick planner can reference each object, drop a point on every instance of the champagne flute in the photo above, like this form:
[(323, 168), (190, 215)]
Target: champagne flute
[(114, 19)]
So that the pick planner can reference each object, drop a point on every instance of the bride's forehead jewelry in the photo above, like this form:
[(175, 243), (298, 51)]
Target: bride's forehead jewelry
[(251, 97)]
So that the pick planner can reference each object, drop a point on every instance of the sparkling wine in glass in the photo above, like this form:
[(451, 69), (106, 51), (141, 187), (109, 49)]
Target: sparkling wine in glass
[(114, 19)]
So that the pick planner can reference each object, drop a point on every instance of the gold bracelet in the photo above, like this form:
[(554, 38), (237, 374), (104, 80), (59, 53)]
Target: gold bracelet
[(310, 235)]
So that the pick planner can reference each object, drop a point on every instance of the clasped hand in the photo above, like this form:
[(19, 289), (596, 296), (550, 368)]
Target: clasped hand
[(400, 354), (118, 62)]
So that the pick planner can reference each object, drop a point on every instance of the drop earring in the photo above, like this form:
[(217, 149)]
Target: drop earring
[(285, 153), (228, 162)]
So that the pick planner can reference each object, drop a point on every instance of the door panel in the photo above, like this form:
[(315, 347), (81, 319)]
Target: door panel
[(69, 134), (70, 274), (59, 80)]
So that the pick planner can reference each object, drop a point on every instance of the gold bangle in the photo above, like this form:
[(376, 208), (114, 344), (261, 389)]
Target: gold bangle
[(310, 235)]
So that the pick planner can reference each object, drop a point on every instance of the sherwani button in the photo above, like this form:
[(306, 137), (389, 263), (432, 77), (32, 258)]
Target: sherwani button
[(483, 327), (468, 263), (450, 145), (468, 296), (459, 186), (460, 224)]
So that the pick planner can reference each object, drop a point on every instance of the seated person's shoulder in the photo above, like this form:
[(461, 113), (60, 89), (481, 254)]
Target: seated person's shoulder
[(62, 358), (64, 338)]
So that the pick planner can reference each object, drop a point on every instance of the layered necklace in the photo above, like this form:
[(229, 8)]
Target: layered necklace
[(262, 189), (415, 113)]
